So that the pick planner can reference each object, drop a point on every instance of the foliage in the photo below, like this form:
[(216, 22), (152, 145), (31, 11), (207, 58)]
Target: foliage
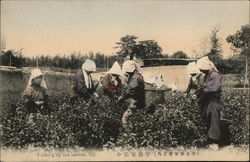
[(80, 123), (215, 54), (241, 40), (72, 61), (148, 49), (127, 46), (142, 49), (97, 123), (179, 54), (241, 44), (236, 104), (12, 58), (175, 123)]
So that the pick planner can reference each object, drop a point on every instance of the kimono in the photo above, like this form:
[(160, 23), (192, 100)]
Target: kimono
[(80, 86), (211, 104), (35, 97), (135, 89), (33, 94), (135, 95), (83, 83), (110, 88)]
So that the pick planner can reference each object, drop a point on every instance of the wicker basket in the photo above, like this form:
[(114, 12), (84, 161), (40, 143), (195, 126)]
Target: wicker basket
[(153, 96)]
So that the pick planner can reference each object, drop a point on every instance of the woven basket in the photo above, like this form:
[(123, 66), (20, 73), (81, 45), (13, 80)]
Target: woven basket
[(153, 97)]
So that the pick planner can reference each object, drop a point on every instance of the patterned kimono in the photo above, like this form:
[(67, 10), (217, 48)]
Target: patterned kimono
[(109, 88)]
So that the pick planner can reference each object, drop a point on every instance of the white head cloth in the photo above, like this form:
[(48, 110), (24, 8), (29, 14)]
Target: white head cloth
[(36, 73), (205, 64), (130, 66), (115, 69), (88, 65), (192, 68)]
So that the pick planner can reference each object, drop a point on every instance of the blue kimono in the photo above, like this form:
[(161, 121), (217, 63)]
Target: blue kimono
[(211, 104)]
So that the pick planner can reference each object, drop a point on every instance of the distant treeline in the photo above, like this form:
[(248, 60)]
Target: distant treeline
[(72, 61), (234, 65)]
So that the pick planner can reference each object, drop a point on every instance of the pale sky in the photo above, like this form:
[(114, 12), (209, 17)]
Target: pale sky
[(61, 27)]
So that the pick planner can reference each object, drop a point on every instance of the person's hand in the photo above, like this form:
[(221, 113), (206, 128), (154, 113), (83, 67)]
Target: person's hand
[(119, 98), (39, 102), (96, 95), (193, 97)]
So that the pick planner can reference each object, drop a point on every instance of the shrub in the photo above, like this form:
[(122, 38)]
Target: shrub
[(80, 123), (96, 123), (236, 109), (175, 123)]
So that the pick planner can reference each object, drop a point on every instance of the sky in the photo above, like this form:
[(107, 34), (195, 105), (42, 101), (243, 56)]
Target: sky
[(63, 26)]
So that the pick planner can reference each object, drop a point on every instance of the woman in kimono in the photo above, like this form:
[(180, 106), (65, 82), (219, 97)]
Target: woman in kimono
[(135, 95), (83, 84), (210, 100), (35, 97), (111, 83)]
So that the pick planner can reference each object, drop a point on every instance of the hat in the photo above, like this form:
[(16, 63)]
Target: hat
[(34, 74), (89, 65), (130, 66), (115, 69), (205, 64), (192, 68)]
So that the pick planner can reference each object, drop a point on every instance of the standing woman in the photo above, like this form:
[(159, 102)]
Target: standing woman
[(35, 97), (135, 94), (210, 99), (83, 83)]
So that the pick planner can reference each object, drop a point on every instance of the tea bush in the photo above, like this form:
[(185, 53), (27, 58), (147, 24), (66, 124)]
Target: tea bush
[(96, 123), (81, 123), (236, 109), (177, 122)]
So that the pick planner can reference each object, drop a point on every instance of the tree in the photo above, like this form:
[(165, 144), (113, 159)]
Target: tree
[(241, 45), (180, 54), (12, 58), (203, 48), (215, 54), (148, 49), (2, 44), (127, 46)]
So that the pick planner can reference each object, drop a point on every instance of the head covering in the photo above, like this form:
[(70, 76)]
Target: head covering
[(36, 73), (205, 64), (130, 66), (192, 68), (89, 65), (116, 69)]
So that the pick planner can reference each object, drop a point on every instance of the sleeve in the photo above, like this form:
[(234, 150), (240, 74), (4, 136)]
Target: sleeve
[(133, 84), (189, 86), (105, 82), (26, 97), (80, 84), (213, 84), (45, 96), (120, 88)]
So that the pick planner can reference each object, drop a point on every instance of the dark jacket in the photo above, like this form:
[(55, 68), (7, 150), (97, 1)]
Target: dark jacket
[(136, 89), (79, 85)]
